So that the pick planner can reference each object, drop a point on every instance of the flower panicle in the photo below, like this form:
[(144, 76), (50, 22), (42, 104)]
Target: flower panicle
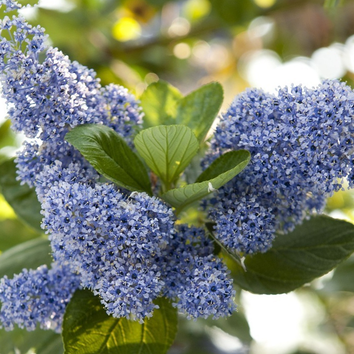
[(36, 297), (301, 142)]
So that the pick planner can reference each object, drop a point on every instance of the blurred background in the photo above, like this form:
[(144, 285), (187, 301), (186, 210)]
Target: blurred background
[(239, 43)]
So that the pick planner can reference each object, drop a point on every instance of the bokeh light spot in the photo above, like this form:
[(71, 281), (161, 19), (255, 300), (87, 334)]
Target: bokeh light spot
[(265, 3), (150, 78), (179, 27), (196, 9), (260, 27), (182, 50), (349, 54), (126, 29), (264, 69), (328, 62)]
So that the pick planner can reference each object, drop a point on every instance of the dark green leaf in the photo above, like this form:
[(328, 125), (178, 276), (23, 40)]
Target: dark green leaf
[(199, 109), (21, 198), (310, 251), (110, 155), (167, 150), (87, 329), (38, 341), (221, 171), (30, 255), (235, 325), (159, 103), (223, 164)]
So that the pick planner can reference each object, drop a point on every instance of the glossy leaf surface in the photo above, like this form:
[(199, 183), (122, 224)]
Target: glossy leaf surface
[(159, 104), (167, 149), (87, 329), (221, 171), (199, 109), (310, 251), (22, 198), (110, 155)]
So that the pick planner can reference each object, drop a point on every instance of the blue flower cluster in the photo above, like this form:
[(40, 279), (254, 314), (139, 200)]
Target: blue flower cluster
[(194, 277), (125, 248), (302, 145), (110, 240), (48, 97), (37, 296)]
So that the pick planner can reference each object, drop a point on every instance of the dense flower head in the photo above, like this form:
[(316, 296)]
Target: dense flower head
[(53, 174), (111, 240), (36, 164), (37, 297), (243, 223), (208, 291), (196, 279), (46, 98), (122, 110), (301, 142)]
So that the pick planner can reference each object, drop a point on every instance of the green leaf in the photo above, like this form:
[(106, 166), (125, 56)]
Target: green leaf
[(7, 135), (194, 169), (22, 198), (310, 251), (159, 103), (199, 109), (235, 325), (87, 329), (221, 171), (167, 150), (223, 164), (110, 155), (38, 341), (30, 255)]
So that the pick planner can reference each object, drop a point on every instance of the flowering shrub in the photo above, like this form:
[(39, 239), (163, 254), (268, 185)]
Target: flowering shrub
[(108, 174)]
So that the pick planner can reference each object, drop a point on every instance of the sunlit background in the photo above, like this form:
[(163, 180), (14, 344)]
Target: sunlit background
[(257, 43)]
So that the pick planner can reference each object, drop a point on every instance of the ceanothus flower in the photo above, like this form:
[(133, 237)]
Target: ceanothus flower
[(53, 174), (247, 224), (37, 296), (46, 98), (301, 142), (196, 279), (111, 240)]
